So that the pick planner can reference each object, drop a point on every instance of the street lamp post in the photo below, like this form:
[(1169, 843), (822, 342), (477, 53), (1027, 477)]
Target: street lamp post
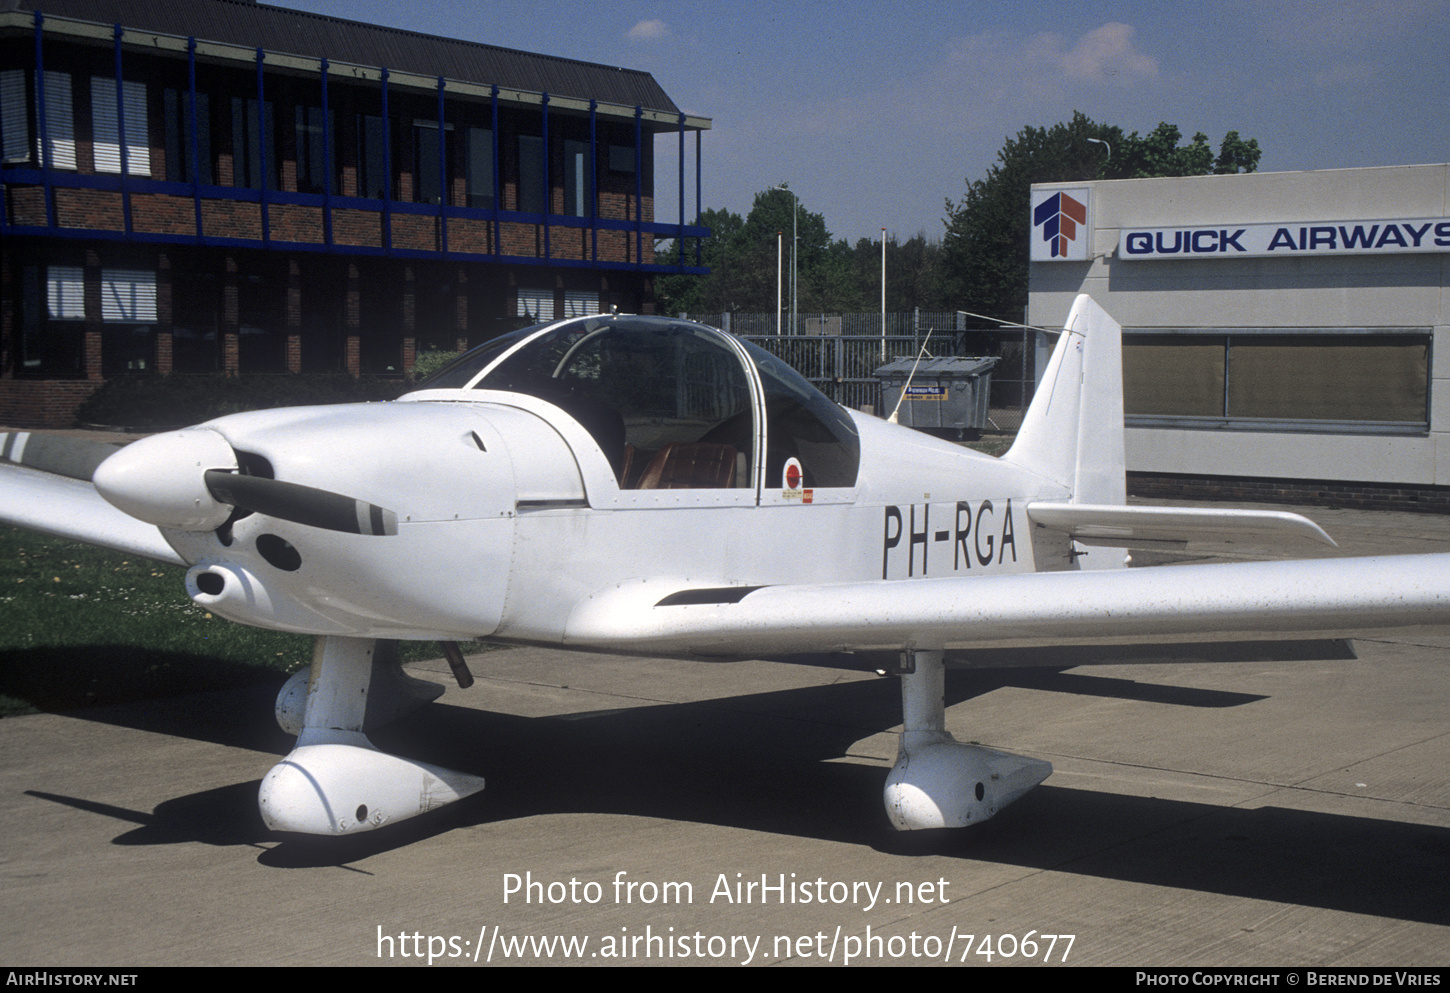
[(794, 240), (779, 265)]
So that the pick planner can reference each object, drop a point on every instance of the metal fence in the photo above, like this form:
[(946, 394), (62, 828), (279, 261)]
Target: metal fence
[(840, 353)]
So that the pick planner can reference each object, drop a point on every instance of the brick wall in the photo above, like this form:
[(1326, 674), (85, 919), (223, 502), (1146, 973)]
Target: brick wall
[(26, 204), (357, 227), (290, 222), (231, 219), (42, 403), (95, 209), (155, 213), (152, 212)]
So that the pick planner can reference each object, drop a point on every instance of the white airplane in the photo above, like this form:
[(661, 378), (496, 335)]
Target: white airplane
[(655, 487)]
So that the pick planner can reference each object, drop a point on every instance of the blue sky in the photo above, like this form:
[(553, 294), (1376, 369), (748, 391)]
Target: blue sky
[(875, 113)]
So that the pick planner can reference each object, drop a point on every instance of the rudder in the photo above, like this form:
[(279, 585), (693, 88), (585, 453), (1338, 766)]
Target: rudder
[(1073, 430)]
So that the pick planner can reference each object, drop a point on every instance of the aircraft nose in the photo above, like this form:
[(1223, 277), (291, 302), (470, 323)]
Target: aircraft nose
[(161, 479)]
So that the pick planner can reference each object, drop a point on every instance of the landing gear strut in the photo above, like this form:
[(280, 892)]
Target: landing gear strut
[(335, 781), (938, 782)]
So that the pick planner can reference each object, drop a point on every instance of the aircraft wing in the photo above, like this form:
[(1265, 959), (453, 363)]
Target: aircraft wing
[(60, 504), (1136, 527), (1315, 598)]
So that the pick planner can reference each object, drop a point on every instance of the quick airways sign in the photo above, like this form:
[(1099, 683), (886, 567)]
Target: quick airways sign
[(1296, 239)]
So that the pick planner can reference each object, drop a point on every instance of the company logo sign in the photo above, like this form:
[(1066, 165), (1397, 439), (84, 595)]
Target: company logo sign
[(1298, 239), (1060, 231)]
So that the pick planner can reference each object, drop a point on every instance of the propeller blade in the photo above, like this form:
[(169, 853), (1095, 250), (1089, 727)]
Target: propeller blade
[(300, 504)]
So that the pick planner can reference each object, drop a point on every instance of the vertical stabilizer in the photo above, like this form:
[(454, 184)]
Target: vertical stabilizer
[(1073, 431)]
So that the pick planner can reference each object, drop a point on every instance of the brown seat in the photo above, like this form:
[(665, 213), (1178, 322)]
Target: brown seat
[(690, 465)]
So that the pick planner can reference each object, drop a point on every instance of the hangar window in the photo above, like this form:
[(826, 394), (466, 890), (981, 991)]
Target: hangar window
[(1334, 380)]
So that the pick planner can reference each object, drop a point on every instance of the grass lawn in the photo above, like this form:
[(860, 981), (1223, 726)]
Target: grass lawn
[(81, 626)]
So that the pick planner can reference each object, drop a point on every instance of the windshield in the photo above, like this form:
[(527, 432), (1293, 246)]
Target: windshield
[(457, 374), (667, 401), (804, 424)]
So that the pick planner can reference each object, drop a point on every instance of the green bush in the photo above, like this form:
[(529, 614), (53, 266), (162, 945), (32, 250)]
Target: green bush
[(430, 361), (161, 402)]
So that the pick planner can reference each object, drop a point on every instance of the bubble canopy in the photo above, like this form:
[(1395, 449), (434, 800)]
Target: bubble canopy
[(672, 404)]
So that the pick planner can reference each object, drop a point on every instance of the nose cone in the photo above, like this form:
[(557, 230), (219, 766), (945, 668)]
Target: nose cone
[(161, 479)]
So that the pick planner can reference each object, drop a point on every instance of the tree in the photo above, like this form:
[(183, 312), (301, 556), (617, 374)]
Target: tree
[(913, 275), (833, 276), (1236, 155), (985, 247), (1159, 154), (742, 256), (712, 294)]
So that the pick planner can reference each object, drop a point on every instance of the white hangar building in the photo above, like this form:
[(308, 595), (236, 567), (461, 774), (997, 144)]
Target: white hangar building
[(1286, 335)]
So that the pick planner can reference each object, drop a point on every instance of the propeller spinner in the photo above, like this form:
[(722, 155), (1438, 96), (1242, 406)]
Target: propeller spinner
[(188, 480)]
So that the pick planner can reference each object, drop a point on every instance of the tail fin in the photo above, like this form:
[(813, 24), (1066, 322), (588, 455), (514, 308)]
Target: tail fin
[(1073, 431)]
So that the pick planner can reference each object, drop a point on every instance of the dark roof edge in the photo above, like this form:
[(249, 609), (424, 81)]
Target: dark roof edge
[(433, 37), (659, 107)]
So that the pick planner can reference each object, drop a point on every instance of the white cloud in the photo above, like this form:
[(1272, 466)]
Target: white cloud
[(651, 30), (1104, 55)]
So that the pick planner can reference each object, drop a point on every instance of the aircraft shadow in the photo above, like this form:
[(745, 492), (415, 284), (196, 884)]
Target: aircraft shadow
[(63, 678), (752, 762)]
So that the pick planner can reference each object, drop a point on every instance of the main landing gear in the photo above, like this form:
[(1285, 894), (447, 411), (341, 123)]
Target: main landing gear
[(335, 781), (938, 782)]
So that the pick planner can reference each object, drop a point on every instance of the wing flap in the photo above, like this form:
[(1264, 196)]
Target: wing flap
[(1120, 526), (1222, 602)]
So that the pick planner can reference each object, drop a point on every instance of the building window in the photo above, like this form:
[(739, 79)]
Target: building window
[(324, 348), (531, 174), (195, 316), (1267, 379), (108, 121), (52, 327), (576, 178), (179, 165), (428, 154), (14, 116), (621, 158), (19, 122), (311, 133), (479, 170), (536, 304), (381, 331), (372, 178), (128, 312), (580, 303), (261, 309), (249, 119), (65, 293)]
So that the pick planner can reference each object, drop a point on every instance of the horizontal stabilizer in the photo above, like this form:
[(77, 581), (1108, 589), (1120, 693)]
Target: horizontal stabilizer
[(1119, 526)]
